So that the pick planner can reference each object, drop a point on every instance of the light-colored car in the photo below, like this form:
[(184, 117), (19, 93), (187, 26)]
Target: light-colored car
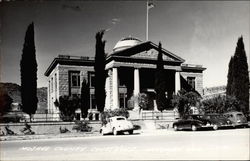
[(117, 124), (237, 118)]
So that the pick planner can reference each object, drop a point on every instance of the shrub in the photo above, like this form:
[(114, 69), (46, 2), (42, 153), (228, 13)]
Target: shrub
[(143, 101), (221, 104), (82, 126)]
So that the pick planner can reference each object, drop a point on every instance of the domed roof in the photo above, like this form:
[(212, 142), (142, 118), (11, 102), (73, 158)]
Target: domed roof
[(126, 43)]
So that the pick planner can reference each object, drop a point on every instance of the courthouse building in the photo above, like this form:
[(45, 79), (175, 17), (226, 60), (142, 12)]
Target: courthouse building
[(130, 67)]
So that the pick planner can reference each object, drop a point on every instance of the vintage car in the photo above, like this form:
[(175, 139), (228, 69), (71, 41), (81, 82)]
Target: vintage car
[(238, 119), (117, 124), (14, 116), (218, 120), (193, 122)]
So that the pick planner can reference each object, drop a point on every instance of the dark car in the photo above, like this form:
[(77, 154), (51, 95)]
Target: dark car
[(237, 118), (193, 122), (218, 120)]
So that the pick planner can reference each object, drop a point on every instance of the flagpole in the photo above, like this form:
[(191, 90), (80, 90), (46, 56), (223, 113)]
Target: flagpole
[(147, 23)]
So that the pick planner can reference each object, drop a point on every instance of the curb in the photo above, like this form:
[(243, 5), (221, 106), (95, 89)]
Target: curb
[(73, 135), (48, 136)]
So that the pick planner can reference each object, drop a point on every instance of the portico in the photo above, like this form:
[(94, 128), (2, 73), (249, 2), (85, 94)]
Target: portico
[(132, 69)]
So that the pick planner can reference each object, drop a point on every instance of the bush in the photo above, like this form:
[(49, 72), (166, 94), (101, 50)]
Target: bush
[(111, 113), (82, 126), (221, 104), (143, 101)]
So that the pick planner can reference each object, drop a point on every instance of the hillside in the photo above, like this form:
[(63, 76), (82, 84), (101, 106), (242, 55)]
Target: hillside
[(14, 91)]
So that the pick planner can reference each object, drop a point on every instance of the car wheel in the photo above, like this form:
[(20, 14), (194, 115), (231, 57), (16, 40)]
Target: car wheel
[(175, 128), (193, 127), (130, 132), (215, 127), (114, 131)]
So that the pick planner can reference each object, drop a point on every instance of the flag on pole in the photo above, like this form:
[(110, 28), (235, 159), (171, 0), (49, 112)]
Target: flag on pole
[(151, 5)]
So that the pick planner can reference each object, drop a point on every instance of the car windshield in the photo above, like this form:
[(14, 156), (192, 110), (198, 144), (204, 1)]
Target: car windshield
[(120, 118)]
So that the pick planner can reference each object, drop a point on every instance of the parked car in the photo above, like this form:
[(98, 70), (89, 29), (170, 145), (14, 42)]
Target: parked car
[(237, 118), (193, 122), (14, 116), (117, 124), (218, 120)]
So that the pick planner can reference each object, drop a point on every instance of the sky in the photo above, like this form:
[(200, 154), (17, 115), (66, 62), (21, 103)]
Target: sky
[(201, 32)]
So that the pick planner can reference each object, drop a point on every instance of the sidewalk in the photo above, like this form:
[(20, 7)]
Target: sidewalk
[(73, 135)]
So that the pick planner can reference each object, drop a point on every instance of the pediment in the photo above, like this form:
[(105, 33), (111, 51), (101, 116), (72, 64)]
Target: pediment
[(147, 50), (152, 54)]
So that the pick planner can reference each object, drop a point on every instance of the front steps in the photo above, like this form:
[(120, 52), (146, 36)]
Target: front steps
[(151, 120)]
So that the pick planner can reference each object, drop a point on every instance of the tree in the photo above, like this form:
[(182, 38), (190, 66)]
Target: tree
[(184, 100), (160, 82), (230, 77), (241, 84), (85, 98), (5, 102), (67, 106), (100, 73), (28, 67), (238, 78)]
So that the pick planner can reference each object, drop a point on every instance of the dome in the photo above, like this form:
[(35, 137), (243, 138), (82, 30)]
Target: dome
[(126, 43)]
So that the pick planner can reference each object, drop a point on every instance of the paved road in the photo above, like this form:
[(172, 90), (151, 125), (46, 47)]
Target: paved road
[(209, 145)]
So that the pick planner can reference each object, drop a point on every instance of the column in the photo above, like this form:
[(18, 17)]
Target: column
[(115, 89), (177, 82), (136, 88), (107, 89), (48, 98)]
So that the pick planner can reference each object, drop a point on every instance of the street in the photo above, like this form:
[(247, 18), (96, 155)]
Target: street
[(163, 144)]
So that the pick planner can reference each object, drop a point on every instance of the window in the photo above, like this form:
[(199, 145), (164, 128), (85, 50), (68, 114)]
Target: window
[(55, 82), (75, 79), (92, 79), (120, 118), (191, 81), (92, 101), (51, 84)]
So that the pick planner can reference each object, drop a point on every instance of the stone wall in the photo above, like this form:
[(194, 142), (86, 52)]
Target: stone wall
[(198, 80), (48, 128), (62, 73)]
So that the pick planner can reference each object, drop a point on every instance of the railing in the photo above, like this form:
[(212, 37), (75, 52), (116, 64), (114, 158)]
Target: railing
[(76, 57), (191, 65), (49, 117), (156, 115)]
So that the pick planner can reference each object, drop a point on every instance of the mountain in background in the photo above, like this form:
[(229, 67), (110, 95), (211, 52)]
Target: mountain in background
[(14, 91)]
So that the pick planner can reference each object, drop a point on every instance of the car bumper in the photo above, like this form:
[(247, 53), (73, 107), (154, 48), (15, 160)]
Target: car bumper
[(240, 124), (206, 126), (124, 129)]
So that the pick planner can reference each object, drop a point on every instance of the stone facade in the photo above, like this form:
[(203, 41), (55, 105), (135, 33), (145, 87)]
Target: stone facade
[(198, 80), (130, 71)]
